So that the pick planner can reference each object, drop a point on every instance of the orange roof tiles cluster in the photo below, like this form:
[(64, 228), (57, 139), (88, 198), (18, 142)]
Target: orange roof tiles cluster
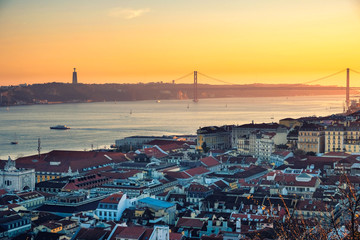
[(113, 198), (61, 161)]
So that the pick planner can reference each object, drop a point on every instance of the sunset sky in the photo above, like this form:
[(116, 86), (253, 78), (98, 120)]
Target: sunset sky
[(129, 41)]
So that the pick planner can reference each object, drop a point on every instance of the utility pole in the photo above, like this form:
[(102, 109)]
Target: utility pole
[(39, 147)]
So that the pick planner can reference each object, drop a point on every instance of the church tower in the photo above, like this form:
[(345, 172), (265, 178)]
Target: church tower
[(74, 80)]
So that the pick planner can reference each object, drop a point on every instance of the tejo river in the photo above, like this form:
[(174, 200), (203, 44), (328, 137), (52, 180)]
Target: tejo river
[(99, 124)]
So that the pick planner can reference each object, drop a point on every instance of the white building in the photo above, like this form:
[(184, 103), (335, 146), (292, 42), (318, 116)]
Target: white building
[(112, 207), (278, 158), (13, 179)]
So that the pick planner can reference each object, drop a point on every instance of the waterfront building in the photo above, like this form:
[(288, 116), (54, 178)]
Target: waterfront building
[(214, 137), (290, 122), (311, 138), (13, 179), (57, 164), (135, 142), (244, 131)]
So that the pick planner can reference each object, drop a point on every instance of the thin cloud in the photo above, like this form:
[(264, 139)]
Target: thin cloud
[(127, 13)]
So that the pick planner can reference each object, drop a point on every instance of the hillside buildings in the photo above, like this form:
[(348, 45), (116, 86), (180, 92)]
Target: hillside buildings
[(176, 189)]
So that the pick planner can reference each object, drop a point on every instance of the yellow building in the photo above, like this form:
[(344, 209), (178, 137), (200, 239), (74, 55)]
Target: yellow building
[(214, 137), (343, 138), (311, 138), (290, 122)]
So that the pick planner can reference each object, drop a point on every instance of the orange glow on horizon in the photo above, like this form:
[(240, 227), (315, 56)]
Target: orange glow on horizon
[(242, 43)]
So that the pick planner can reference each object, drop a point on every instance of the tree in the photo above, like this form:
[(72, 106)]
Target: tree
[(204, 147), (341, 224)]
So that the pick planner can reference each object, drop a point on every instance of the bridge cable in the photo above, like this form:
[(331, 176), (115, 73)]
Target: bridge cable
[(315, 80), (217, 79), (355, 71), (183, 76)]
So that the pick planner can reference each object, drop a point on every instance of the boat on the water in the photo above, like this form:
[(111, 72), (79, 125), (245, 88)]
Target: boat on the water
[(14, 142), (60, 127)]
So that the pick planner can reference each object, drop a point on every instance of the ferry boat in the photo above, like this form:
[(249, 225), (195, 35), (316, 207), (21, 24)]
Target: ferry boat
[(60, 127)]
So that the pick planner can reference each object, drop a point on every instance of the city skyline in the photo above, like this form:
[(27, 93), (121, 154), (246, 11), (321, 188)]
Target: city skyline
[(152, 41)]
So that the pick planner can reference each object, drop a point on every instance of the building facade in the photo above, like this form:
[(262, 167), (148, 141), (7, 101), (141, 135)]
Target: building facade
[(311, 138), (13, 179), (112, 207), (343, 138), (214, 137)]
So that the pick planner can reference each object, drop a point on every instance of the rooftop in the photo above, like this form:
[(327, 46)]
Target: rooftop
[(156, 203)]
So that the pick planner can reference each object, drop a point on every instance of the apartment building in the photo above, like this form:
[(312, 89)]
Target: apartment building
[(311, 138)]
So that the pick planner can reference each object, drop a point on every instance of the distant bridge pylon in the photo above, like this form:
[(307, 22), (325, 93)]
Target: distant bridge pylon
[(196, 73)]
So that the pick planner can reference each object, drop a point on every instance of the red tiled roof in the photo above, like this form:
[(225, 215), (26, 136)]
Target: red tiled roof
[(121, 175), (196, 187), (190, 222), (147, 234), (282, 153), (13, 205), (178, 175), (153, 152), (60, 161), (209, 161), (197, 171), (175, 236), (311, 205), (86, 182), (2, 192), (220, 184), (29, 195), (131, 232), (173, 147), (113, 198), (336, 154), (290, 179)]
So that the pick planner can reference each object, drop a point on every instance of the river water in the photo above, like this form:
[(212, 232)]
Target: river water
[(99, 124)]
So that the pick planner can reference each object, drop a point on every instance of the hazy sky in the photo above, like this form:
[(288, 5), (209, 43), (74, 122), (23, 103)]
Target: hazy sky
[(240, 41)]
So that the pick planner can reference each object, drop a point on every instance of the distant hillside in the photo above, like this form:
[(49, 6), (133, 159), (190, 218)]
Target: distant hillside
[(65, 93)]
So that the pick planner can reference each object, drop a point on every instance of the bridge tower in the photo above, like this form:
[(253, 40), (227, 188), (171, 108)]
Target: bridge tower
[(347, 101), (195, 87)]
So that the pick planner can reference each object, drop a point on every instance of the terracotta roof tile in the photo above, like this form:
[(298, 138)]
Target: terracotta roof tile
[(60, 161), (209, 161), (190, 223), (132, 232), (197, 171), (113, 198)]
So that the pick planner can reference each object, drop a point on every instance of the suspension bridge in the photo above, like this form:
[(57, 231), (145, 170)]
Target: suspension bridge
[(196, 73)]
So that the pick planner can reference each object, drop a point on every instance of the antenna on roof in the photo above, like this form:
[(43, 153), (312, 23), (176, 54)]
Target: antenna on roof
[(39, 147)]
